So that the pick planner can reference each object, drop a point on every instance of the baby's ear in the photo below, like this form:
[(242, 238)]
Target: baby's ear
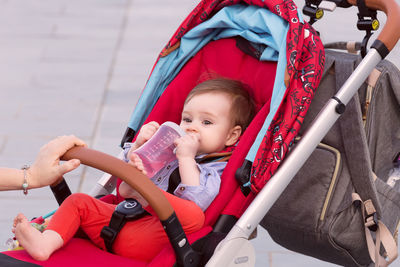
[(233, 135)]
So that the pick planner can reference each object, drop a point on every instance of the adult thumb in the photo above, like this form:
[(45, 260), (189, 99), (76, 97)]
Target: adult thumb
[(69, 166)]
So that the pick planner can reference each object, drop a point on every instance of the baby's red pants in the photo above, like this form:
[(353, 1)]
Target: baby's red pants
[(141, 239)]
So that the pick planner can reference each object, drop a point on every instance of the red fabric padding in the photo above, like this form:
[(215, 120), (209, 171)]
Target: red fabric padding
[(81, 252), (78, 252), (112, 199), (218, 58)]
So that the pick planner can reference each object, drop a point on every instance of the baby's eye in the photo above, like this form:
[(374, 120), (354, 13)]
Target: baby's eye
[(186, 120), (207, 122)]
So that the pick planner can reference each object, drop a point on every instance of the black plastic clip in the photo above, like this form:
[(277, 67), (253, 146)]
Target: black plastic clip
[(186, 256), (242, 175), (373, 227), (341, 3), (367, 22), (312, 10), (340, 107)]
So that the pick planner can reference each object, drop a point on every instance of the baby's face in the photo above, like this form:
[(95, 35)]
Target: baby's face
[(208, 116)]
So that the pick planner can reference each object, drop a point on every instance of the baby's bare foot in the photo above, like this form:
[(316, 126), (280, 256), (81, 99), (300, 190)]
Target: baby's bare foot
[(29, 238)]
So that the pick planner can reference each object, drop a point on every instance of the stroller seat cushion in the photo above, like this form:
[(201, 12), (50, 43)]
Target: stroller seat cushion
[(76, 250)]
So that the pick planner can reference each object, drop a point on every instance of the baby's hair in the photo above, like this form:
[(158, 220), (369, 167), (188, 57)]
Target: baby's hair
[(243, 108)]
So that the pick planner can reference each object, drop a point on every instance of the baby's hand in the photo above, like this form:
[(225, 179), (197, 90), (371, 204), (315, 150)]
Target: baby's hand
[(137, 162), (187, 146), (146, 132)]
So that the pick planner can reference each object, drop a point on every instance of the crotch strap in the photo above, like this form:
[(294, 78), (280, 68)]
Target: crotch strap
[(127, 210)]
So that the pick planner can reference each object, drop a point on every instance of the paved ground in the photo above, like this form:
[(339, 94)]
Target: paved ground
[(70, 66)]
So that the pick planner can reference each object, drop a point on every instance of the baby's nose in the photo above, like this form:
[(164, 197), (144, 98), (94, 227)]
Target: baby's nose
[(191, 129)]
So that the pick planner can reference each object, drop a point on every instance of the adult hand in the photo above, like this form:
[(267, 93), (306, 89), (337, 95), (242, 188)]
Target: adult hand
[(47, 169)]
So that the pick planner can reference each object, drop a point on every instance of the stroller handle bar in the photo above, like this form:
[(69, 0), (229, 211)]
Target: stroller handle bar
[(390, 33), (127, 173)]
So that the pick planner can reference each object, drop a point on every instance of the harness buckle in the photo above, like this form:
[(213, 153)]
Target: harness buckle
[(127, 210)]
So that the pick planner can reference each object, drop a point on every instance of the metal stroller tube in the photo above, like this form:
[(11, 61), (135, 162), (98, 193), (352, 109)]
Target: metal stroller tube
[(125, 172)]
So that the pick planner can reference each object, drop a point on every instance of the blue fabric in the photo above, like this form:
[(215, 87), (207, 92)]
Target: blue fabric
[(258, 25), (300, 15)]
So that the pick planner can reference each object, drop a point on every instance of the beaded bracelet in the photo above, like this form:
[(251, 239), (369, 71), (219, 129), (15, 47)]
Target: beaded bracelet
[(25, 183)]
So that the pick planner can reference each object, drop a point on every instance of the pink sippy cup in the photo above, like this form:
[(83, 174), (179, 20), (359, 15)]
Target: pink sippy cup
[(159, 150)]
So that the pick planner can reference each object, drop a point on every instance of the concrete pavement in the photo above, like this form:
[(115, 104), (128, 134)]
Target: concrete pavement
[(77, 67)]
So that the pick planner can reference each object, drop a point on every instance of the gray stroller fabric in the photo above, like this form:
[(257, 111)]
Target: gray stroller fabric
[(316, 215)]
